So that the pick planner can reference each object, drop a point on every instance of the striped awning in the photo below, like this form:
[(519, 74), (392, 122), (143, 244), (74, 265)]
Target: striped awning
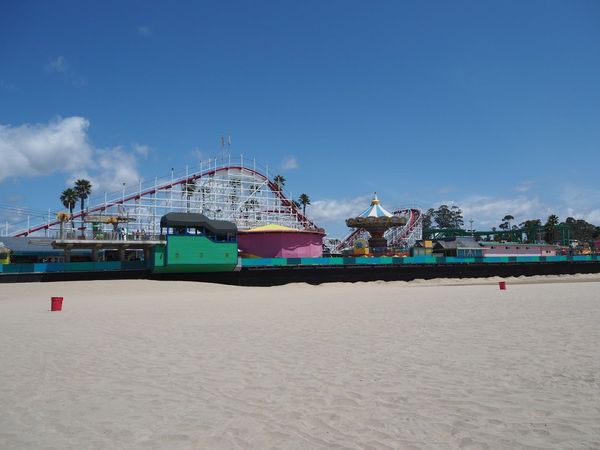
[(375, 210)]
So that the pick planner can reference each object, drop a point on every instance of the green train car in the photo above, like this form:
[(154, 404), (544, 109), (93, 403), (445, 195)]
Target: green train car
[(4, 255), (195, 243)]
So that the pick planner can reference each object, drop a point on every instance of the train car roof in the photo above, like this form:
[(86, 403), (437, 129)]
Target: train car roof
[(196, 220)]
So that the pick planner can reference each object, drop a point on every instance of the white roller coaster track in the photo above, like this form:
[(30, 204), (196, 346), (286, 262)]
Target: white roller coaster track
[(237, 190)]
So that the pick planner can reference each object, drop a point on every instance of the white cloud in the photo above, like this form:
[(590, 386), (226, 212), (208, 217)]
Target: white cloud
[(593, 217), (579, 202), (12, 217), (489, 211), (338, 210), (485, 211), (62, 146), (35, 150), (289, 163), (577, 197), (142, 150), (61, 67), (58, 65), (525, 186), (144, 30), (114, 167)]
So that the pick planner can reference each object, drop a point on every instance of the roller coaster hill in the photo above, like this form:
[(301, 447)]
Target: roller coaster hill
[(185, 226), (239, 191)]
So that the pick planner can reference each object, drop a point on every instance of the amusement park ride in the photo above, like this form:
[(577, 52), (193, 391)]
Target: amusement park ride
[(235, 190)]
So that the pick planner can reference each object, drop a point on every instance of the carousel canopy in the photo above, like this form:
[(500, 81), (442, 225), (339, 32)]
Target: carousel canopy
[(375, 210)]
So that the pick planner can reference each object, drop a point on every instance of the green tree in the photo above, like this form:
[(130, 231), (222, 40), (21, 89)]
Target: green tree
[(69, 200), (443, 217), (457, 217), (532, 229), (304, 200), (427, 219), (83, 189), (580, 230), (446, 217), (188, 189), (505, 225)]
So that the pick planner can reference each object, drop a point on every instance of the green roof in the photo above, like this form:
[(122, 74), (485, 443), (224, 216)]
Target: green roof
[(196, 220)]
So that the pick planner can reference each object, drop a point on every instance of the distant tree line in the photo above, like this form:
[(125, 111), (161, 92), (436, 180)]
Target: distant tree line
[(582, 230), (531, 230)]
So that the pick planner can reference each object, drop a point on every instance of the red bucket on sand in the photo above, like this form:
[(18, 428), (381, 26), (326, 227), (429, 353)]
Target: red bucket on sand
[(56, 303), (502, 285)]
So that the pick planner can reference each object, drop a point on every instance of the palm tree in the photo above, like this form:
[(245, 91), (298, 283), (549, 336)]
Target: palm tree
[(304, 200), (552, 220), (83, 189), (188, 190), (69, 199), (550, 228), (279, 181)]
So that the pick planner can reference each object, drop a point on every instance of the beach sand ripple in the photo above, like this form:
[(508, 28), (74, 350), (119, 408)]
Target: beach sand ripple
[(439, 364)]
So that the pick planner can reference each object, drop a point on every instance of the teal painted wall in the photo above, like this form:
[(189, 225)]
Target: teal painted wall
[(220, 260), (158, 256), (195, 254), (262, 262), (74, 267)]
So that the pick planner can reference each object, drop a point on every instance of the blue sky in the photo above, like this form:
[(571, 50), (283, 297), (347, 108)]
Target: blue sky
[(493, 106)]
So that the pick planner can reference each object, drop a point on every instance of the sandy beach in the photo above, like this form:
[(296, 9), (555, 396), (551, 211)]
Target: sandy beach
[(425, 364)]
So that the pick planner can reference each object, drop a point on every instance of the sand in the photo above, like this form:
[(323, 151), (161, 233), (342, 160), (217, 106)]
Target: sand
[(176, 365)]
